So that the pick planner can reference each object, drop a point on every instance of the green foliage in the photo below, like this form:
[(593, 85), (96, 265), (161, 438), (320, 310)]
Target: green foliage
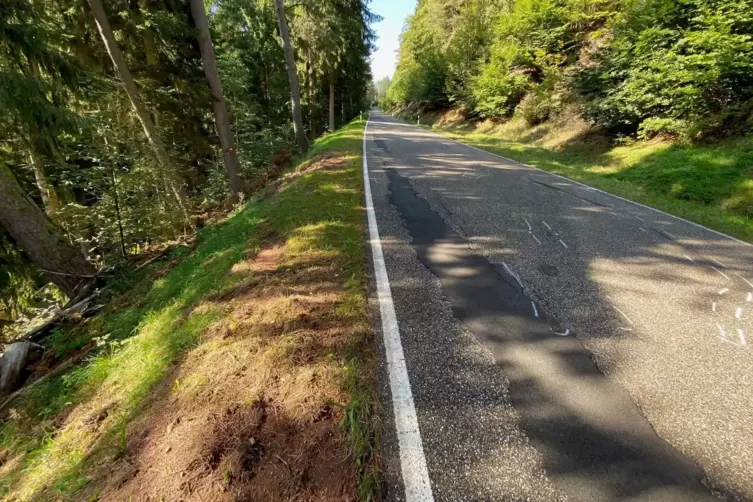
[(684, 68), (69, 134)]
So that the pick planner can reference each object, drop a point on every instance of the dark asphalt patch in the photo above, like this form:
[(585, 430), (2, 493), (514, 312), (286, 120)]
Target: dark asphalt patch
[(595, 443)]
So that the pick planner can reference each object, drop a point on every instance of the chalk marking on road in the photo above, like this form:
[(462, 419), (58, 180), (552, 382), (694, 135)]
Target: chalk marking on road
[(689, 258), (550, 228), (672, 236), (637, 218), (722, 273), (535, 310), (509, 271), (563, 243), (745, 280), (739, 313), (620, 311), (643, 230), (741, 334), (718, 262), (625, 329), (412, 460), (722, 333), (749, 298), (530, 228), (713, 306), (723, 291), (588, 187), (565, 333), (537, 239)]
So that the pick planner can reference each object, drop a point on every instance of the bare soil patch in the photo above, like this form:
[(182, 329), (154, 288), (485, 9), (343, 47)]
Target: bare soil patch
[(253, 412)]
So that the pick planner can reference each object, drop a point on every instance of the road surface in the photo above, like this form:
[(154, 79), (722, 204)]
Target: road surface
[(555, 342)]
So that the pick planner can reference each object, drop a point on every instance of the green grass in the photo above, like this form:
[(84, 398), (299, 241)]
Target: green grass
[(151, 323), (709, 184)]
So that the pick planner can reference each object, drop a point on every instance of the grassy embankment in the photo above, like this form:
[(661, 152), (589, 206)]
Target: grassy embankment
[(239, 368), (710, 183)]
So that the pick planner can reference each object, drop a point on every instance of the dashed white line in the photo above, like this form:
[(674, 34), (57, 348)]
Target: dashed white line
[(745, 280), (638, 218), (713, 306), (722, 273), (741, 334), (625, 329), (412, 460), (749, 298), (643, 230), (547, 226), (672, 236), (689, 258), (723, 291), (563, 243), (537, 239), (535, 310), (529, 225), (739, 313), (509, 271), (620, 311), (718, 263)]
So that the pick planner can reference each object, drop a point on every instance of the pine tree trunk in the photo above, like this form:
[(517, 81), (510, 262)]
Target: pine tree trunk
[(227, 142), (295, 96), (118, 61), (46, 191), (41, 240), (331, 104)]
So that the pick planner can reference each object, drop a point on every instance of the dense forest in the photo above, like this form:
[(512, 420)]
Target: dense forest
[(126, 122), (631, 67)]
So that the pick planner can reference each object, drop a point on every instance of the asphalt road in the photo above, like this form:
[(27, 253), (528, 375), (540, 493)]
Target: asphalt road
[(561, 343)]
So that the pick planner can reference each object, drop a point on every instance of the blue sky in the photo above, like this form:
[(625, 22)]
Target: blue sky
[(394, 13)]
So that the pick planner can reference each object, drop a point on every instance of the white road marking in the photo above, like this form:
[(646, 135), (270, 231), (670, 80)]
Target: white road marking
[(412, 460), (713, 306), (749, 298), (741, 334), (674, 237), (638, 218), (620, 311), (563, 243), (529, 225), (535, 310), (745, 280), (739, 313), (723, 291), (509, 271), (689, 258), (537, 239), (625, 329), (643, 230), (722, 333), (718, 263), (547, 226), (587, 187), (722, 273), (566, 333)]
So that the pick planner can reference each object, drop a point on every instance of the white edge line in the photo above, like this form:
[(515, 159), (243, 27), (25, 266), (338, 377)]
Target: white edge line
[(598, 190), (412, 459)]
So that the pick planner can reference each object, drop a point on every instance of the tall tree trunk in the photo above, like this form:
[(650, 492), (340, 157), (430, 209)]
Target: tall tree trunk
[(118, 61), (295, 96), (46, 190), (227, 142), (39, 237), (331, 103)]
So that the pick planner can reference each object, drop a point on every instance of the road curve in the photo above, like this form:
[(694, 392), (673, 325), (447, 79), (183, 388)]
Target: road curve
[(561, 343)]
